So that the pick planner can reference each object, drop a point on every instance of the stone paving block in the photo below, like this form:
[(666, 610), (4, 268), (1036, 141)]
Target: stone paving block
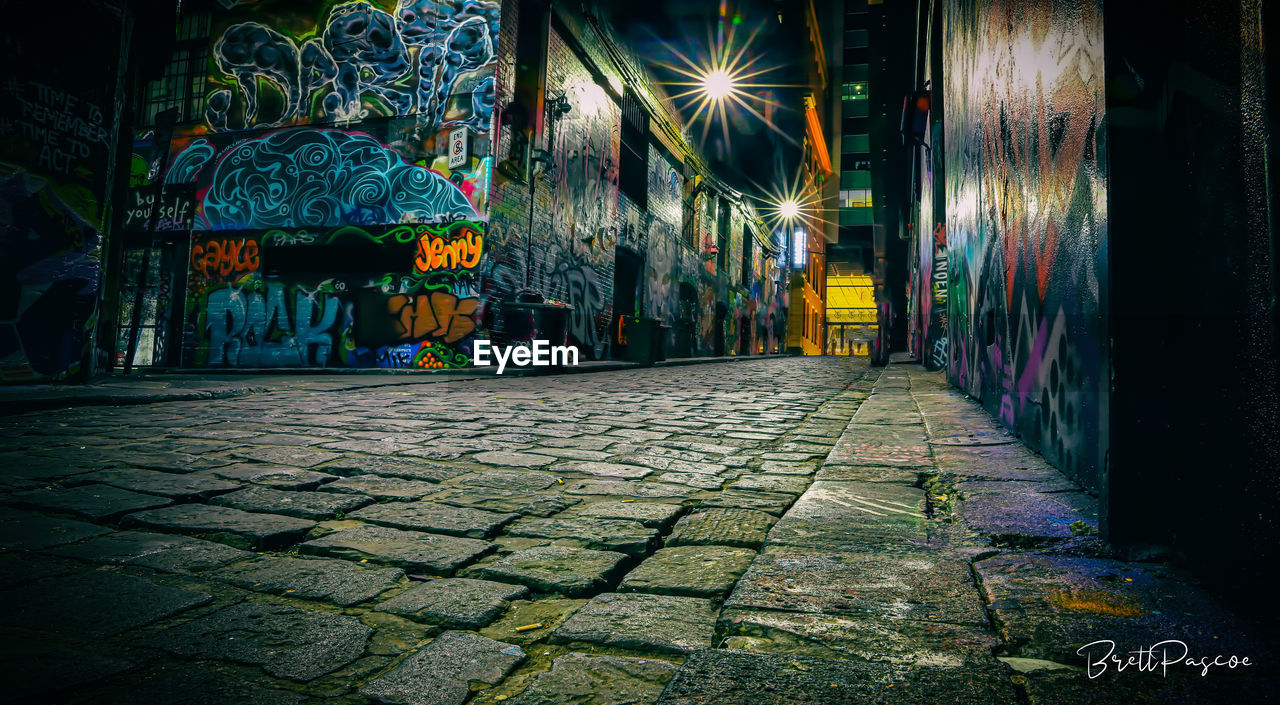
[(722, 526), (340, 582), (694, 571), (917, 585), (167, 462), (1049, 606), (598, 680), (183, 488), (661, 623), (280, 477), (733, 677), (441, 673), (411, 550), (572, 572), (655, 515), (901, 642), (600, 534), (702, 482), (293, 503), (1012, 509), (622, 488), (793, 456), (454, 603), (163, 552), (95, 604), (369, 446), (784, 484), (505, 501), (882, 409), (287, 439), (599, 469), (869, 473), (284, 641), (513, 459), (549, 613), (28, 531), (693, 463), (93, 502), (786, 467), (249, 530), (35, 672), (392, 467), (436, 518), (832, 515), (378, 487), (770, 502), (515, 480), (1002, 462), (299, 457)]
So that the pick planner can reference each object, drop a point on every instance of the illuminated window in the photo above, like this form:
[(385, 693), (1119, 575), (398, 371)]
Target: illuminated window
[(855, 198), (182, 85), (854, 91)]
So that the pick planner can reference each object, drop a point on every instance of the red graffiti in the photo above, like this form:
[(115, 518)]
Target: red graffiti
[(459, 251), (436, 315), (224, 258), (940, 235)]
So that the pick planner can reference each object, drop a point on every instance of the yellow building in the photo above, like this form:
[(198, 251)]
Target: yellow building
[(851, 311)]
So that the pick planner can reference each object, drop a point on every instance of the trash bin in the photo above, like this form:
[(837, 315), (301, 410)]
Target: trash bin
[(642, 340)]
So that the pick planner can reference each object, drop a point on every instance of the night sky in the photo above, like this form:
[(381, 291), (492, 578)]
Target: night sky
[(750, 158)]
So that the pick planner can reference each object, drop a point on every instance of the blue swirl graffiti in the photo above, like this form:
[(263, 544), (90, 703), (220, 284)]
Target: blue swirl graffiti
[(187, 165), (320, 177)]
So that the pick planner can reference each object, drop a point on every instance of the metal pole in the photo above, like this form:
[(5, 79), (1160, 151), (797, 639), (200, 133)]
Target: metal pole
[(163, 137)]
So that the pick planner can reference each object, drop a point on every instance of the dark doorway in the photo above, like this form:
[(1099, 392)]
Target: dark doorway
[(744, 335), (628, 296), (722, 313), (687, 325)]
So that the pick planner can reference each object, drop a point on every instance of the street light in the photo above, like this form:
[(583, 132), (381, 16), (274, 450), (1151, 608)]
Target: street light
[(789, 209), (718, 84)]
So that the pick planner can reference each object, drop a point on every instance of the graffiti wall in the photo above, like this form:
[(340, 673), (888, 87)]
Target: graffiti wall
[(57, 121), (377, 296), (274, 66), (332, 221), (1026, 228)]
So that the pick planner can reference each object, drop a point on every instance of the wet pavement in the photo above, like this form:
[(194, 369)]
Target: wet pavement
[(796, 530)]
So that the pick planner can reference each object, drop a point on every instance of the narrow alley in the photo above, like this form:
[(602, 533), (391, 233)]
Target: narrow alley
[(796, 530)]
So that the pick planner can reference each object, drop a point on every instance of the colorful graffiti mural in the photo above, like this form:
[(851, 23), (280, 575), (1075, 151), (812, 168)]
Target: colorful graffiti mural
[(272, 300), (426, 58), (1027, 221)]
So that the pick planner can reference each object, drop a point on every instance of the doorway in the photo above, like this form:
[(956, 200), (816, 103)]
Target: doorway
[(628, 297)]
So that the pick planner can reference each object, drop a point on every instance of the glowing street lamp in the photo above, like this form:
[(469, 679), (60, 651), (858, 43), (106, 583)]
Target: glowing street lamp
[(789, 210), (718, 85)]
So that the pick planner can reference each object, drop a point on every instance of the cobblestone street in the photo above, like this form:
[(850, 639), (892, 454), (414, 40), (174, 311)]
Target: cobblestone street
[(804, 530)]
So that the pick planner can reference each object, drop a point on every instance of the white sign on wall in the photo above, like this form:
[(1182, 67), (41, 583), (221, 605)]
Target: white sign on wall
[(457, 148)]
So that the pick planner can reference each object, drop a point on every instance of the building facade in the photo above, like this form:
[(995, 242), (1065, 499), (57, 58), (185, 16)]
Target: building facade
[(376, 184)]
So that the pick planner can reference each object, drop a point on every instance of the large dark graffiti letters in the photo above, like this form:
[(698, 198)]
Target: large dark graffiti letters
[(254, 329), (363, 62)]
